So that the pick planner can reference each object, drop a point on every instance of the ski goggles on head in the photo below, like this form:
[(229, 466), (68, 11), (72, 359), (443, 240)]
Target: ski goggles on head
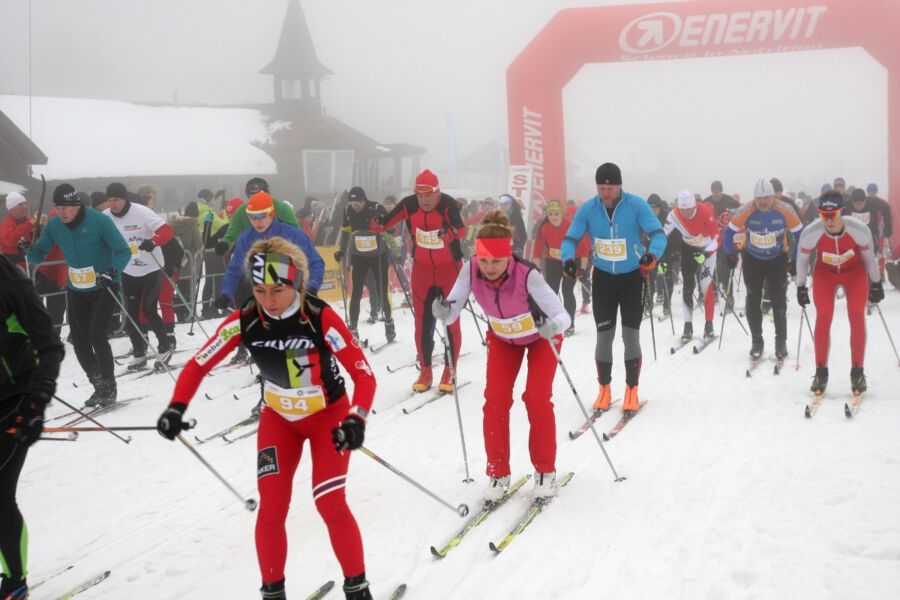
[(274, 269)]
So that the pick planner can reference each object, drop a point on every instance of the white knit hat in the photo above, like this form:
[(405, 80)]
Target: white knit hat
[(686, 200), (763, 188), (13, 199)]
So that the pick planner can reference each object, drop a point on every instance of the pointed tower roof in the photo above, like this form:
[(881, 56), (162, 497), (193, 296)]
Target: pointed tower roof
[(296, 54)]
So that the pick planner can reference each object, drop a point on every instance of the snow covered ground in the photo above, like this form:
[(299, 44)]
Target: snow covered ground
[(730, 492)]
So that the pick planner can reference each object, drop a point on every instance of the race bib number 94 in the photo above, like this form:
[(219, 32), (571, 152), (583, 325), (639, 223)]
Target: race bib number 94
[(612, 250), (297, 402), (82, 279), (429, 239), (513, 327)]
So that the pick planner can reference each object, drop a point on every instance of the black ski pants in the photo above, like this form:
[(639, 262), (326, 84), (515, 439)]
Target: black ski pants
[(553, 274), (361, 267), (13, 538), (142, 296), (89, 316), (773, 275), (613, 293)]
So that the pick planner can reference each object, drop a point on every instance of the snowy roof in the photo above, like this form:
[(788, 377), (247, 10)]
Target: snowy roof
[(109, 138)]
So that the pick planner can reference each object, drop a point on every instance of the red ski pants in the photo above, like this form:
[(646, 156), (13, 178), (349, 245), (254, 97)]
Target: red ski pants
[(503, 363), (279, 446), (426, 282), (856, 289)]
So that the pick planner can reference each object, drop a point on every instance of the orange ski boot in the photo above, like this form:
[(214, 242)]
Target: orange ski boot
[(424, 380), (631, 399), (446, 384), (603, 398)]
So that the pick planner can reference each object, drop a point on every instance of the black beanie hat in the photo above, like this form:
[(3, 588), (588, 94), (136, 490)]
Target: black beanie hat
[(357, 194), (654, 200), (191, 210), (116, 190), (858, 195), (257, 184), (608, 174), (97, 198), (205, 195), (716, 186), (776, 184), (65, 195)]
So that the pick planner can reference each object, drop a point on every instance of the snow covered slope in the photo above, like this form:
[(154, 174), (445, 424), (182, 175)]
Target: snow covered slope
[(730, 492)]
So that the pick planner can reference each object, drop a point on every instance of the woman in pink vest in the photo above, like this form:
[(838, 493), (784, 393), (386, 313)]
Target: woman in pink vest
[(524, 314)]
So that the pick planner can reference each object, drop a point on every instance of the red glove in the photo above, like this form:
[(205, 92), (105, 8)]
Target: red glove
[(376, 225), (448, 236), (647, 263)]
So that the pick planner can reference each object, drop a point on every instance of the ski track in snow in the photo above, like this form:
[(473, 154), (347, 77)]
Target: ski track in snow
[(730, 492)]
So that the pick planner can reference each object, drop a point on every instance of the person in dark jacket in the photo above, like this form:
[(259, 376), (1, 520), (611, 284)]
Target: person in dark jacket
[(512, 209), (31, 355)]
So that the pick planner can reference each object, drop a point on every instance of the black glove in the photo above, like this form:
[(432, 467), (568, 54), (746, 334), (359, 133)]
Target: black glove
[(170, 270), (30, 422), (221, 248), (41, 281), (792, 268), (802, 295), (570, 268), (107, 278), (876, 292), (339, 255), (23, 246), (170, 424), (147, 246), (350, 435), (732, 260), (223, 302)]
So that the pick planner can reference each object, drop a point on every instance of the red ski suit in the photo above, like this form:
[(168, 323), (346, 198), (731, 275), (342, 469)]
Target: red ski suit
[(304, 400), (436, 262), (842, 259)]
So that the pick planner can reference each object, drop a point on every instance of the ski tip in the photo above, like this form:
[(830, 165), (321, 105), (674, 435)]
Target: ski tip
[(606, 437), (696, 351), (671, 350), (436, 553), (807, 413), (748, 373), (493, 547)]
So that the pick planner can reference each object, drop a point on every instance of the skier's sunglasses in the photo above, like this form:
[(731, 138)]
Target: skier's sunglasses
[(258, 216), (829, 215)]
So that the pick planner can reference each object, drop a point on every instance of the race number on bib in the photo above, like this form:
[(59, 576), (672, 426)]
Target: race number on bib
[(740, 239), (863, 216), (513, 327), (611, 249), (297, 402), (134, 248), (365, 243), (837, 260), (696, 241), (82, 279), (556, 253), (429, 239), (763, 241)]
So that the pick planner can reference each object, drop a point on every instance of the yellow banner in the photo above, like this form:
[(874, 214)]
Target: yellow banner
[(331, 288)]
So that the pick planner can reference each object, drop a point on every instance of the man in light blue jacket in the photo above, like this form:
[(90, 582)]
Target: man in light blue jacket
[(614, 221)]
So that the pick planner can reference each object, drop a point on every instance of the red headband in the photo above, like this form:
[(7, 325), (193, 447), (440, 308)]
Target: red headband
[(493, 247)]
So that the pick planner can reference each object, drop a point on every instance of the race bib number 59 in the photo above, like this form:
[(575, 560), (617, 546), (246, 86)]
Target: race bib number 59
[(513, 327)]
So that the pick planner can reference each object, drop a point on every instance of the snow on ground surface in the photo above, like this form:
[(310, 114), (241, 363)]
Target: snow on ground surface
[(730, 492)]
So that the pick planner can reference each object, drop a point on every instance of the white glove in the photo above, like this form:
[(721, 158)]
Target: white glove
[(547, 329), (440, 308)]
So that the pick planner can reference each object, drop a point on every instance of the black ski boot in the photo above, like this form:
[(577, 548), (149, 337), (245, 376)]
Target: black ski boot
[(857, 380), (92, 401), (273, 591), (242, 356), (373, 318), (780, 349), (106, 393), (353, 330), (756, 349), (170, 335), (389, 332), (709, 333), (688, 333), (357, 588), (14, 589), (820, 381)]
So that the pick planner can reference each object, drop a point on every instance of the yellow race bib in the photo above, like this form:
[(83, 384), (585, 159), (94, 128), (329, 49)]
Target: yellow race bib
[(513, 327), (429, 239), (556, 253), (837, 260), (296, 402), (82, 279), (613, 249), (365, 243), (763, 241)]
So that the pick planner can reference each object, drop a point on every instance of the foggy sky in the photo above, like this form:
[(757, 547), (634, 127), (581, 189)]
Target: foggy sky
[(400, 66)]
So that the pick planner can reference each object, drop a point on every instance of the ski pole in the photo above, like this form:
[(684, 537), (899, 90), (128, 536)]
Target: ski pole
[(178, 291), (648, 302), (888, 332), (138, 329), (341, 280), (477, 325), (249, 503), (584, 411), (196, 271), (110, 429), (91, 419), (667, 299), (400, 280), (799, 337), (448, 360), (462, 510), (725, 312)]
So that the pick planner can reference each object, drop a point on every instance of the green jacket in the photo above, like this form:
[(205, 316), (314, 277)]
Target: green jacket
[(240, 222), (217, 222)]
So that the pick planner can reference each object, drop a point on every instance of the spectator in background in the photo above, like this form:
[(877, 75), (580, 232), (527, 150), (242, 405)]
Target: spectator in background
[(187, 232), (147, 195), (780, 195), (512, 209), (17, 230), (99, 201)]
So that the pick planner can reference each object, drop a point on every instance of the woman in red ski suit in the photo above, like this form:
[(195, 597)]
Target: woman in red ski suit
[(844, 256), (524, 314), (294, 339)]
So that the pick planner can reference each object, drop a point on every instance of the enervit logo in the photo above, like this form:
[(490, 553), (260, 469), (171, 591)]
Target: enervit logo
[(650, 33), (653, 32)]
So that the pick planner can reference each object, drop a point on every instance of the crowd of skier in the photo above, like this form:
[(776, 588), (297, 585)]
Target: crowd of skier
[(112, 257)]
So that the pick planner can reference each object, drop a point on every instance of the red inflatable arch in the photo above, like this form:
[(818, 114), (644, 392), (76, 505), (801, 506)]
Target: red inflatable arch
[(703, 28)]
